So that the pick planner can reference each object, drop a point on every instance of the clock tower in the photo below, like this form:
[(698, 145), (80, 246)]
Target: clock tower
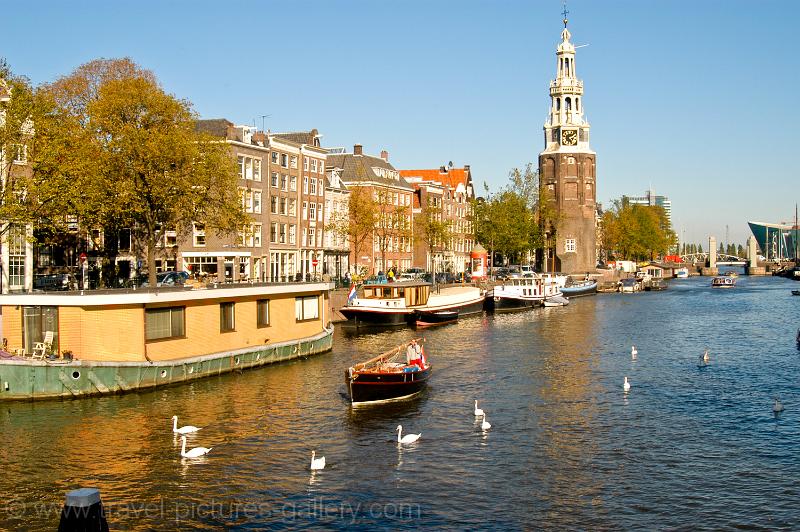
[(567, 172)]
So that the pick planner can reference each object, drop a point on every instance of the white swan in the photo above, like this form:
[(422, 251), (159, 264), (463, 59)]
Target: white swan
[(192, 453), (626, 386), (634, 352), (183, 430), (778, 406), (478, 411), (485, 425), (705, 356), (317, 463), (408, 438)]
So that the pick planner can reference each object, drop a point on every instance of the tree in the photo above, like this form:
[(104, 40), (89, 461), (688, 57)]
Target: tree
[(433, 228), (393, 222), (358, 225), (150, 170), (636, 231)]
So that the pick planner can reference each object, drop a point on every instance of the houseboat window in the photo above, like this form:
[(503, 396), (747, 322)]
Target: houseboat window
[(164, 323), (262, 309), (36, 323), (306, 308), (226, 317), (387, 292)]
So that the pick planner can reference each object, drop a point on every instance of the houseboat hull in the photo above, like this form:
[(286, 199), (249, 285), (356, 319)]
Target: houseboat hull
[(368, 387), (368, 317), (511, 304), (429, 319), (580, 289), (36, 379)]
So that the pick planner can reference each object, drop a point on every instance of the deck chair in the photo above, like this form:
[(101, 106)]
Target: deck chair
[(40, 349)]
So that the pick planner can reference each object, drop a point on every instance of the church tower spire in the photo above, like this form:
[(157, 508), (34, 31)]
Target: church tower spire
[(567, 169)]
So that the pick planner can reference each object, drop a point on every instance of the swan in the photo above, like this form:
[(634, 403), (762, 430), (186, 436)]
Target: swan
[(705, 356), (408, 438), (626, 386), (778, 406), (485, 425), (192, 453), (478, 411), (183, 430), (634, 352), (317, 463)]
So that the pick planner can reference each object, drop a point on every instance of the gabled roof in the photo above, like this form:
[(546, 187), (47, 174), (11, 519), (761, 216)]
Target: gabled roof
[(359, 168), (301, 137), (451, 177), (217, 127)]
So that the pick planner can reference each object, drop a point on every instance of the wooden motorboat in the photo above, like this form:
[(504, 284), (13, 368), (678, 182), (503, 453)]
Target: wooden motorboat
[(388, 376), (723, 282), (439, 317), (520, 293)]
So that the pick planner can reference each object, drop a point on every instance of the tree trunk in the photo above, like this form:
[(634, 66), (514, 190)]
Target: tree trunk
[(151, 262)]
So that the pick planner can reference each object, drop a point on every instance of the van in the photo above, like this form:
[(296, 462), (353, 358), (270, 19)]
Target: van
[(527, 270)]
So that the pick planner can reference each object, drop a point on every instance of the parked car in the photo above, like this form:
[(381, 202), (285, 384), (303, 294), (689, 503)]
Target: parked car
[(168, 279), (53, 281), (415, 273)]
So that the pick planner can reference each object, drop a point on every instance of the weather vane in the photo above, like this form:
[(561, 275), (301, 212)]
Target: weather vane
[(565, 12)]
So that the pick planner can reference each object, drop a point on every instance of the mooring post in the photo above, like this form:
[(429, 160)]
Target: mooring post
[(83, 512)]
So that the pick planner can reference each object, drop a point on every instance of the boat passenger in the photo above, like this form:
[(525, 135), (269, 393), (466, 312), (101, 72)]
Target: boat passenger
[(412, 353), (421, 362)]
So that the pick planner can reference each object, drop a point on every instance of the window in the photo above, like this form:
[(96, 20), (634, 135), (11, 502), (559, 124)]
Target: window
[(262, 313), (256, 169), (292, 207), (293, 183), (199, 234), (257, 201), (257, 235), (274, 180), (570, 245), (19, 153), (292, 234), (306, 308), (319, 212), (283, 206), (305, 185), (305, 211), (275, 157), (311, 236), (273, 233), (313, 165), (240, 168), (226, 317), (305, 237), (322, 167), (282, 239), (284, 160), (273, 204), (284, 182), (160, 323), (305, 163), (294, 161), (313, 186), (312, 211)]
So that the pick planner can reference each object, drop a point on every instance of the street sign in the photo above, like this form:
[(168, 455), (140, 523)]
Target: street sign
[(314, 262), (83, 257)]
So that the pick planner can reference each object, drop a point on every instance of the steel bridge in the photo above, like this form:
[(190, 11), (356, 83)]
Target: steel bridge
[(722, 259)]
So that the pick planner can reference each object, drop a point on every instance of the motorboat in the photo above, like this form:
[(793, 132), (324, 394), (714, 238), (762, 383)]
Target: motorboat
[(556, 301), (796, 292), (655, 284), (682, 273), (723, 281), (398, 304), (389, 376), (629, 285), (580, 288), (520, 293)]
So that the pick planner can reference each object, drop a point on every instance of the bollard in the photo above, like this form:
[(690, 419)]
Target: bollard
[(83, 512)]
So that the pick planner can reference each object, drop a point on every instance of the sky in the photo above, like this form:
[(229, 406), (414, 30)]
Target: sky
[(692, 98)]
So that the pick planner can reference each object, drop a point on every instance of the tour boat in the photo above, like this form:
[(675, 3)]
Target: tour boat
[(75, 344), (580, 288), (394, 304), (520, 293), (387, 377), (723, 282), (682, 273)]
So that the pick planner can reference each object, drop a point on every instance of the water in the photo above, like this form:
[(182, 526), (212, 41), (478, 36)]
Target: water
[(686, 448)]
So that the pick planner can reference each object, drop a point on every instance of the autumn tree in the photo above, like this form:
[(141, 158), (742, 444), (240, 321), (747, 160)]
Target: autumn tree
[(149, 169), (433, 228), (357, 226), (393, 222), (636, 232)]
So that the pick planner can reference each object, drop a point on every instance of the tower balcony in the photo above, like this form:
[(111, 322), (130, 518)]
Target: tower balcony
[(566, 86)]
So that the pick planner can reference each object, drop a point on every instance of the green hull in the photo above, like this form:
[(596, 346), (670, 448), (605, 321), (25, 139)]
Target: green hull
[(45, 380)]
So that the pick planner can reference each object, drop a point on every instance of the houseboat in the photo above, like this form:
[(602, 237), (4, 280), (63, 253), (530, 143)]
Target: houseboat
[(520, 293), (73, 344), (397, 304)]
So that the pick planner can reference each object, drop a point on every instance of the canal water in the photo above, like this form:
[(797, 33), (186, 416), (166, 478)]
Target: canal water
[(685, 448)]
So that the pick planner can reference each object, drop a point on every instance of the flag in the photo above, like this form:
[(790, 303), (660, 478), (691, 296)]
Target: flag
[(352, 295)]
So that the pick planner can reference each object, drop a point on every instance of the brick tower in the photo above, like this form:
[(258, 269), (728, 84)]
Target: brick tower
[(567, 171)]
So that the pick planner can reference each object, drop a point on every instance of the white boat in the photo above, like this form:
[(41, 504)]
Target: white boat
[(392, 304), (682, 273), (629, 285), (556, 301), (723, 282), (520, 293)]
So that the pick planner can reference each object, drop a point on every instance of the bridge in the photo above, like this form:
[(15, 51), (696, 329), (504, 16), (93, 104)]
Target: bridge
[(722, 259)]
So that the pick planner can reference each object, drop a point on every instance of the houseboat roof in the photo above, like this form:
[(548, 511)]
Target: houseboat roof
[(141, 296), (397, 284)]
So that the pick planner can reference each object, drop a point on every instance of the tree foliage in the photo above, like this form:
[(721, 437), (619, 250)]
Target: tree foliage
[(636, 232), (357, 226), (433, 228), (393, 222)]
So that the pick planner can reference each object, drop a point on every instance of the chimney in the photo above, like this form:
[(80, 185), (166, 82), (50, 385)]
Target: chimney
[(466, 168), (442, 170), (385, 155), (358, 149), (259, 138)]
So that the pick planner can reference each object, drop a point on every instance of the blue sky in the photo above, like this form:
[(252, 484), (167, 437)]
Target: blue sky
[(694, 98)]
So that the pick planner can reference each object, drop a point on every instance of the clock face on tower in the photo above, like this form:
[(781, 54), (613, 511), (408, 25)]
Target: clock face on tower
[(569, 137)]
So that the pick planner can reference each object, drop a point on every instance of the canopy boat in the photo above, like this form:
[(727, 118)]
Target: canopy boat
[(389, 376), (521, 293), (723, 282), (580, 288), (393, 304), (438, 317)]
